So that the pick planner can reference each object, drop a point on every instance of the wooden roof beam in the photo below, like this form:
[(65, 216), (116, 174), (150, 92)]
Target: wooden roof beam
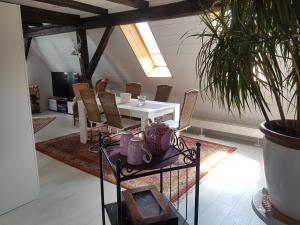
[(27, 43), (47, 30), (99, 52), (36, 15), (167, 11), (76, 5), (132, 3)]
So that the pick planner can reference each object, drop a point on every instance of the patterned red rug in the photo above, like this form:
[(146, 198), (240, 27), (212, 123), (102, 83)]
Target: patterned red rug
[(40, 123), (69, 150)]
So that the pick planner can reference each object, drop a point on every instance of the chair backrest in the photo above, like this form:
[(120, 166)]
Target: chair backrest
[(78, 87), (190, 99), (134, 88), (163, 93), (110, 108), (101, 85), (89, 100)]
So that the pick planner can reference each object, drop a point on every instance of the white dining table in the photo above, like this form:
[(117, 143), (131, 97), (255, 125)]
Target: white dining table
[(151, 110)]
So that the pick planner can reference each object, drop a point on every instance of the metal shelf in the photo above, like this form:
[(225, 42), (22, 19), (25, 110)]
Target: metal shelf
[(124, 172)]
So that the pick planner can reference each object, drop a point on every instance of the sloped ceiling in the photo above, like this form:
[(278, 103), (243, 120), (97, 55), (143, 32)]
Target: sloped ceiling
[(120, 65)]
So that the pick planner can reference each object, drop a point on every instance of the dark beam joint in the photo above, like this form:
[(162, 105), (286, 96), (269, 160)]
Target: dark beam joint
[(132, 3), (167, 11), (36, 15), (76, 5), (27, 43), (99, 52)]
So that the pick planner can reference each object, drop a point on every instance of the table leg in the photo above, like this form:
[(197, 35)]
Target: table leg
[(144, 120), (82, 123), (176, 113)]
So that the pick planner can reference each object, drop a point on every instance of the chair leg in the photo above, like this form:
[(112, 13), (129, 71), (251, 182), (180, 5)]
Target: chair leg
[(91, 131), (90, 149), (74, 121)]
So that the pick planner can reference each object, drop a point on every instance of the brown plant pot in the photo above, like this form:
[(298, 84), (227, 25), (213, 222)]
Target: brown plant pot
[(281, 139), (282, 169)]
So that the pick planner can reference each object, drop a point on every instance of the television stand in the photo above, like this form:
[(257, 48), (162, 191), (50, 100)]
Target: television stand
[(59, 104)]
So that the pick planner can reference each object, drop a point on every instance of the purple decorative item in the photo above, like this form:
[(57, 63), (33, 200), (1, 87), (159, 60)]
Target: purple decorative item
[(125, 138), (136, 153), (157, 138)]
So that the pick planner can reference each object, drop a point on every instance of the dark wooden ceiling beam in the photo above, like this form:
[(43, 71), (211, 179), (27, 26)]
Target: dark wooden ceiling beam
[(36, 15), (76, 5), (47, 30), (99, 52), (132, 3), (27, 43), (167, 11), (32, 25), (84, 57)]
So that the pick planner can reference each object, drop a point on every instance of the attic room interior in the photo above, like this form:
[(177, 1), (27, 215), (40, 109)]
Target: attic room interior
[(150, 112)]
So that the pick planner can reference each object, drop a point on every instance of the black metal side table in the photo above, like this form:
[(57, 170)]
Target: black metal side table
[(123, 171)]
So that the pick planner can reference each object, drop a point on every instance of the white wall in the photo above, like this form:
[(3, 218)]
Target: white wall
[(39, 74), (18, 167), (120, 65)]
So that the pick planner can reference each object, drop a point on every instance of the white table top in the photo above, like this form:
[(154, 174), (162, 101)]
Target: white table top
[(149, 106), (151, 110)]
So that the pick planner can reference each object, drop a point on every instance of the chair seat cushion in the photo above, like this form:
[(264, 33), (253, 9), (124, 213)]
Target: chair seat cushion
[(172, 124), (130, 124)]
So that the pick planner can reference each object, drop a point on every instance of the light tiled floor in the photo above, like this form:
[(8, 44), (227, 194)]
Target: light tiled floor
[(71, 197)]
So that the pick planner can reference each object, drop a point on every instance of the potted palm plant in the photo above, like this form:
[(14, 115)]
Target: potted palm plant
[(250, 59)]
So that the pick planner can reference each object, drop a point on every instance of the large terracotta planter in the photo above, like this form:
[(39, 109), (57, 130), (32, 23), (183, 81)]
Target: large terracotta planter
[(282, 170)]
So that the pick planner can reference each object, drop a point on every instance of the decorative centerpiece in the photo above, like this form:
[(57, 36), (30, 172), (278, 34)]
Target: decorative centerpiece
[(137, 150), (142, 100), (157, 138), (137, 154), (124, 141), (125, 97)]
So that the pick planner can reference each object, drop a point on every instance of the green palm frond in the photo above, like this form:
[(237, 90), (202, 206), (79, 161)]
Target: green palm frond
[(246, 48)]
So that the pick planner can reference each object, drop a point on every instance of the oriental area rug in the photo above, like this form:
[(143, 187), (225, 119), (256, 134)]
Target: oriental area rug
[(69, 150), (40, 123)]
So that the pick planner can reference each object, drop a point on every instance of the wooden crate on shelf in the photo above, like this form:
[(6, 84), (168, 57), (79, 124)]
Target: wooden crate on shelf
[(147, 206)]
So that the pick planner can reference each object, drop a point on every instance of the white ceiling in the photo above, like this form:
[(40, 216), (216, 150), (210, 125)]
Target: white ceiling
[(112, 7)]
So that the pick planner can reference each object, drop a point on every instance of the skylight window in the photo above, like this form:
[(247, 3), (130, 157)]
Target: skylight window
[(144, 46)]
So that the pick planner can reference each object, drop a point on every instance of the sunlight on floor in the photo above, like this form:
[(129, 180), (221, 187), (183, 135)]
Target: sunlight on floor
[(70, 196)]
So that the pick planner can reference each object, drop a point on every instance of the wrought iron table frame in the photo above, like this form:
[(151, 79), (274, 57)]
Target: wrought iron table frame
[(191, 158)]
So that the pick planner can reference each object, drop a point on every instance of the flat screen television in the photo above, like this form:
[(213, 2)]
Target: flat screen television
[(62, 84)]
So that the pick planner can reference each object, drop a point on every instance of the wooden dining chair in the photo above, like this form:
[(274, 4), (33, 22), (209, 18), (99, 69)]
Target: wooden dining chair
[(163, 93), (112, 114), (93, 112), (76, 89), (190, 99), (134, 89), (101, 85)]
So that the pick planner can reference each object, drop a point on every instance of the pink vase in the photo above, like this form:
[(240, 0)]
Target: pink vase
[(125, 138), (157, 138), (136, 153)]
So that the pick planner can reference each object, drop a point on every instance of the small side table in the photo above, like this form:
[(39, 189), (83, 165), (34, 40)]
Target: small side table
[(122, 171)]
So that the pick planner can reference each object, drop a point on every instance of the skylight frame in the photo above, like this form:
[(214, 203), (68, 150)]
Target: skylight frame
[(146, 49)]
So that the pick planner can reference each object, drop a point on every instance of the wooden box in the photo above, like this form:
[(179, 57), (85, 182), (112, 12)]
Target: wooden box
[(147, 206)]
